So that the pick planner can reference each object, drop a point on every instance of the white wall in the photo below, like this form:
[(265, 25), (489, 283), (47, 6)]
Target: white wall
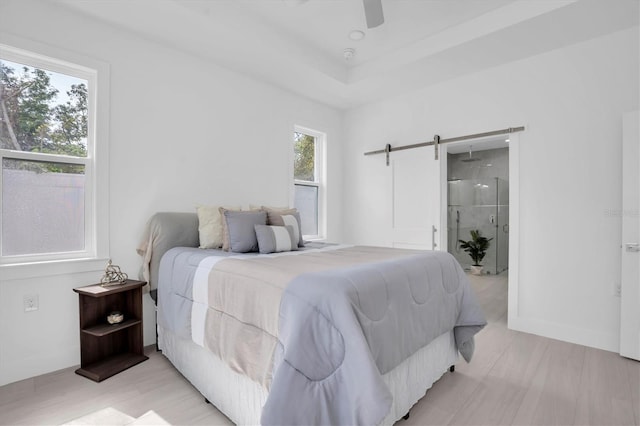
[(571, 101), (182, 131)]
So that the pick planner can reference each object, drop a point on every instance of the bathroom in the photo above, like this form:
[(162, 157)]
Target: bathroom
[(478, 199)]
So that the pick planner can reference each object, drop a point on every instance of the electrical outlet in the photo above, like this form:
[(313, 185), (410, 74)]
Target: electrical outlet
[(30, 302), (617, 289)]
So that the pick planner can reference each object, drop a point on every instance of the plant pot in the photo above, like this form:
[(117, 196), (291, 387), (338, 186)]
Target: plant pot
[(476, 270)]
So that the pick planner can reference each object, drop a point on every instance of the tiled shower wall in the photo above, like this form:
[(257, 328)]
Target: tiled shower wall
[(479, 193)]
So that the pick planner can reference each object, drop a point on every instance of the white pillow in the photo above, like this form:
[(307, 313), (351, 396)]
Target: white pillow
[(210, 225)]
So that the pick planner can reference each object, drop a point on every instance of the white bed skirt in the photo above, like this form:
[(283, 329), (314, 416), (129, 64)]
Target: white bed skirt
[(241, 399)]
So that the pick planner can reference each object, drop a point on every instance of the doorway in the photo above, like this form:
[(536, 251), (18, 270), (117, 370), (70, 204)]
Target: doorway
[(478, 204), (479, 191)]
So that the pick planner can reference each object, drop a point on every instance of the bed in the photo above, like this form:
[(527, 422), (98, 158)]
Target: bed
[(329, 334)]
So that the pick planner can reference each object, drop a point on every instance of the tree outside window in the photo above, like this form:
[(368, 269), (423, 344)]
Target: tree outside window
[(44, 153), (36, 117), (305, 157)]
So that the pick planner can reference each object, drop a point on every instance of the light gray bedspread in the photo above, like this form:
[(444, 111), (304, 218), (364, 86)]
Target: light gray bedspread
[(336, 330), (339, 330)]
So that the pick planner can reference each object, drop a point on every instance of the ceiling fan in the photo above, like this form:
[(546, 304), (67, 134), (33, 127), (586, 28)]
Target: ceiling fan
[(373, 13)]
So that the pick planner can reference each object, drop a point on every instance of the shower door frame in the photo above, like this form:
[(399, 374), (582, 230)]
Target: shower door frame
[(493, 262)]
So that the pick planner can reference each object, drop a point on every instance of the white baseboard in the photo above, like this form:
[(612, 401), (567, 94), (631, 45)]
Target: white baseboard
[(580, 336)]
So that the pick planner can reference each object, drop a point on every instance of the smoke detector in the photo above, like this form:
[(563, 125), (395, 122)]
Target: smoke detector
[(348, 53)]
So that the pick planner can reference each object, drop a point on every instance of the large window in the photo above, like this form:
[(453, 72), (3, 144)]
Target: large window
[(47, 156), (308, 179)]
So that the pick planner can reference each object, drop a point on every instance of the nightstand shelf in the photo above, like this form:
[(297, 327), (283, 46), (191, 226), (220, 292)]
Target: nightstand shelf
[(106, 328), (107, 349)]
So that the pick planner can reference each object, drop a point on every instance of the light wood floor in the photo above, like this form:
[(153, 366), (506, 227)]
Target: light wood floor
[(514, 378)]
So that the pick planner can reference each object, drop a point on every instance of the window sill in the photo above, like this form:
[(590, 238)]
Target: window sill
[(17, 271), (315, 239)]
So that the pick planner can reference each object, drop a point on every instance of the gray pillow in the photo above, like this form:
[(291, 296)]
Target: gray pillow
[(287, 217), (240, 225), (273, 239)]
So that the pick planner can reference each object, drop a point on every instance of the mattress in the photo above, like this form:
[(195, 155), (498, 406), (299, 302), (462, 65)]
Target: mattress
[(241, 399)]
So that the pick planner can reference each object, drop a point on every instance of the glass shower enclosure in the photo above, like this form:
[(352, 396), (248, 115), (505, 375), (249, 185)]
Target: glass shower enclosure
[(481, 204)]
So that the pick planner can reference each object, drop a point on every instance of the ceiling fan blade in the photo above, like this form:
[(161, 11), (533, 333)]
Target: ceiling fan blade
[(373, 12)]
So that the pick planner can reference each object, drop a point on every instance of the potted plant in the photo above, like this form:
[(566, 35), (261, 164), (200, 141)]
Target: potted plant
[(476, 247)]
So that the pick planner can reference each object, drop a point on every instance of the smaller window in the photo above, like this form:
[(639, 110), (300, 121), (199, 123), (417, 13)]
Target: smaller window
[(308, 176), (47, 158)]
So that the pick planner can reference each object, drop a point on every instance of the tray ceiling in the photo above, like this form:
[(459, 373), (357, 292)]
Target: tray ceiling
[(298, 45)]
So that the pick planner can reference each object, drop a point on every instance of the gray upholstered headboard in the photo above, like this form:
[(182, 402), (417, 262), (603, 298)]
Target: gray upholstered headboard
[(164, 231)]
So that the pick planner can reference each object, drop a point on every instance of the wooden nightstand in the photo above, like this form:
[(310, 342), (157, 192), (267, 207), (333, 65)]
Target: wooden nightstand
[(107, 349)]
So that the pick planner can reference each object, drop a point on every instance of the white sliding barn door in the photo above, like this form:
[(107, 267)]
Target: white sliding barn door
[(630, 290), (415, 199)]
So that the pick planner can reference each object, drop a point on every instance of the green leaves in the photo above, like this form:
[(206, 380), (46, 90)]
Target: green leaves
[(476, 247), (32, 118), (304, 150), (72, 118)]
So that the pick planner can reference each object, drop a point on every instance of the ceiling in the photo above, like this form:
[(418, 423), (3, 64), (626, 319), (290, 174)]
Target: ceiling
[(298, 45), (480, 144)]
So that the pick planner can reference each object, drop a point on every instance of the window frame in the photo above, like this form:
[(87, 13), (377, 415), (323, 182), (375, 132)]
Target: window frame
[(96, 73), (319, 178)]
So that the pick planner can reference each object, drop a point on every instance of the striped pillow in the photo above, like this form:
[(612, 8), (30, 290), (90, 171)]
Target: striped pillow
[(273, 239), (287, 217)]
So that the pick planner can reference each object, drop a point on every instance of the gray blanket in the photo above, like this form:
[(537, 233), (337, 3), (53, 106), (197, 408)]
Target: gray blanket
[(339, 330)]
